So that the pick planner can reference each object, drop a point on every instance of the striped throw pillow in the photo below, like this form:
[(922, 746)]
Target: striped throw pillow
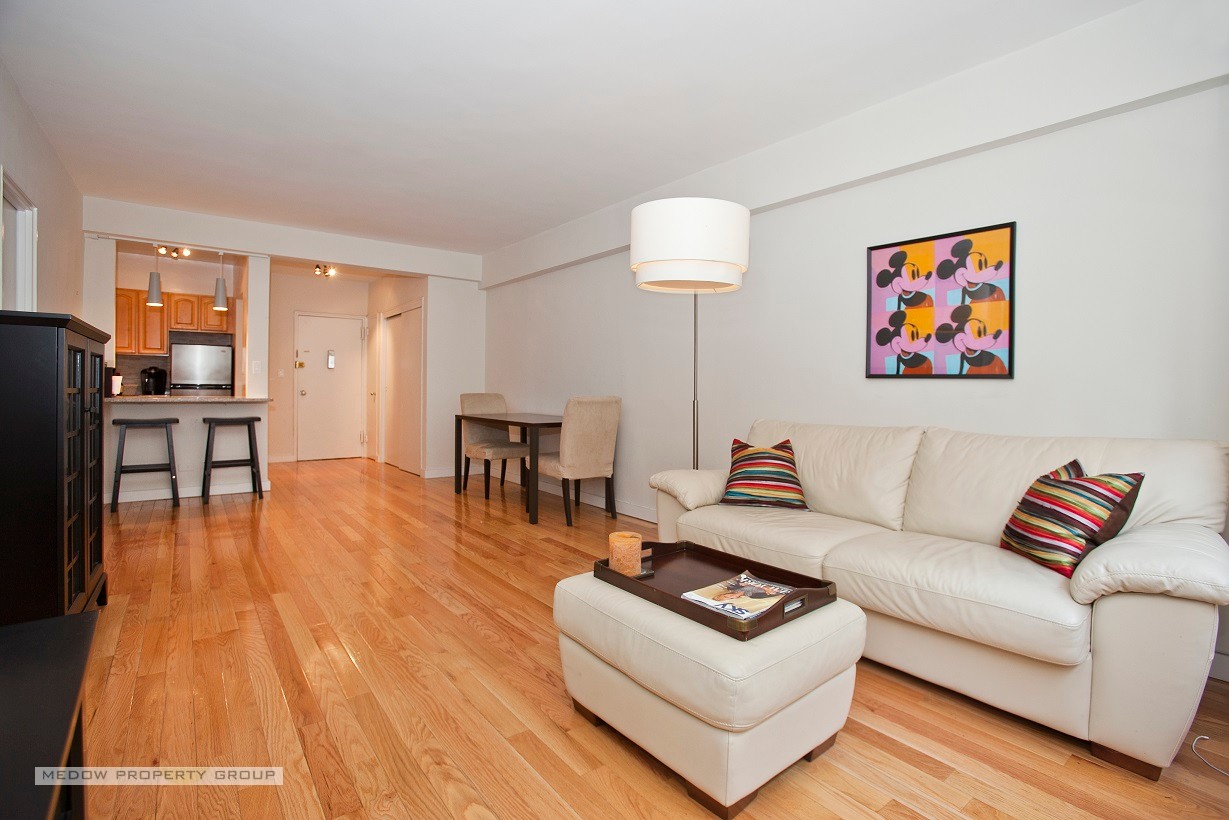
[(763, 477), (1061, 518)]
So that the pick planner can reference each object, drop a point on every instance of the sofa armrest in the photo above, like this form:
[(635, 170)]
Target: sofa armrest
[(692, 488), (1180, 560)]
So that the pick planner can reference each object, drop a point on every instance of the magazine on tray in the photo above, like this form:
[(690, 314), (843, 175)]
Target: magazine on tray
[(744, 596)]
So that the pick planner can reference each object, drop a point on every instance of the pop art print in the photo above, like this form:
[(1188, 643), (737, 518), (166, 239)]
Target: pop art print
[(941, 306)]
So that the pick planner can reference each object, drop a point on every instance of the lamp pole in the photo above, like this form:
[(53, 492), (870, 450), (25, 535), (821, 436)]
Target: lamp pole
[(695, 381)]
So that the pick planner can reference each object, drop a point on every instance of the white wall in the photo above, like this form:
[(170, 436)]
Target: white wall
[(256, 333), (29, 160), (1119, 297), (456, 339), (128, 219), (98, 288), (193, 275), (288, 294)]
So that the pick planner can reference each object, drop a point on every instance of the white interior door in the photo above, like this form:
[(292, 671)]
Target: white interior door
[(403, 390), (8, 262), (329, 373)]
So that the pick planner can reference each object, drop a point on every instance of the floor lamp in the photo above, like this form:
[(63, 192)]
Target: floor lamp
[(691, 245)]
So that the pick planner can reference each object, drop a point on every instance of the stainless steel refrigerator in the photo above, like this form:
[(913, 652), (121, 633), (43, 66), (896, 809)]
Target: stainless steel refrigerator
[(202, 370)]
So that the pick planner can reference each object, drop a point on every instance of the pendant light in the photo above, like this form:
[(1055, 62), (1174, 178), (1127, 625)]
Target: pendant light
[(153, 294), (219, 288)]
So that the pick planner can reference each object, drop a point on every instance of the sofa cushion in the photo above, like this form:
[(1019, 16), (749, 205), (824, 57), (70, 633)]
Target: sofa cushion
[(852, 472), (970, 590), (727, 683), (763, 477), (965, 485), (791, 539), (1059, 520)]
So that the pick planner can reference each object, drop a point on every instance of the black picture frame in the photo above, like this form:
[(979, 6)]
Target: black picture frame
[(927, 307)]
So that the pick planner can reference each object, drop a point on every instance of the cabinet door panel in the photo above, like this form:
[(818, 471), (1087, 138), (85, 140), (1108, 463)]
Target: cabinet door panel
[(153, 336), (126, 320), (212, 320), (184, 314)]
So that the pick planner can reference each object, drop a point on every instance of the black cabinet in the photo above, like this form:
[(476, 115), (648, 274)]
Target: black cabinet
[(50, 466)]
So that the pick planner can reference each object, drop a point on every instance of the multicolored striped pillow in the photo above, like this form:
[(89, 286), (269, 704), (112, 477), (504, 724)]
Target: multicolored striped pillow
[(763, 477), (1065, 514)]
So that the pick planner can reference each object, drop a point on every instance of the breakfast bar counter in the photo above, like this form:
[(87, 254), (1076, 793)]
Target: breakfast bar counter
[(148, 446), (184, 400)]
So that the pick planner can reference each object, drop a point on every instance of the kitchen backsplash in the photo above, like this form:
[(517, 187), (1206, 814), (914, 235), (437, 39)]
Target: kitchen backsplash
[(130, 367)]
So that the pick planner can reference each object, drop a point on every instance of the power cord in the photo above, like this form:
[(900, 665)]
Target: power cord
[(1204, 759)]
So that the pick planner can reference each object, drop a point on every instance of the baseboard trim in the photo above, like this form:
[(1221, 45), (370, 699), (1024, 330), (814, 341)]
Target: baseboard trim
[(185, 492)]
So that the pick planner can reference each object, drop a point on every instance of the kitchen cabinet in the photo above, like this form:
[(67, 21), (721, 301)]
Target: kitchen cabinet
[(145, 330), (215, 321), (153, 333), (126, 302), (183, 311), (51, 473)]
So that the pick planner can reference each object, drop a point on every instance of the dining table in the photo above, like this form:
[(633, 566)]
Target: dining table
[(531, 426)]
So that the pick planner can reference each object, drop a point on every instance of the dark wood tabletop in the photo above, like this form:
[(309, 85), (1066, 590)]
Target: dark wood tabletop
[(42, 667), (538, 420)]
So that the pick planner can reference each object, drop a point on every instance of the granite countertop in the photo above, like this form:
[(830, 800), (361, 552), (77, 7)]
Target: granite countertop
[(184, 400)]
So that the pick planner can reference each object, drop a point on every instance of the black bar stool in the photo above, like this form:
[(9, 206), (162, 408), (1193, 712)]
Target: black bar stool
[(168, 467), (252, 461)]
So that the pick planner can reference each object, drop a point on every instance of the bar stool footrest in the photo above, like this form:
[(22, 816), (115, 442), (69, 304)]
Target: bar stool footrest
[(232, 462), (147, 468)]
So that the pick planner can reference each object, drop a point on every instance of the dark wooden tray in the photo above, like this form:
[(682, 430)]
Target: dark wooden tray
[(682, 567)]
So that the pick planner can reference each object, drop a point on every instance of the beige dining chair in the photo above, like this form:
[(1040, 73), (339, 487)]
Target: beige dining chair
[(586, 448), (489, 443)]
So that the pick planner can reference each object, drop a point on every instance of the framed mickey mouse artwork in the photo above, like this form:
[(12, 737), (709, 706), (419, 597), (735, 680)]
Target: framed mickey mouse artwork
[(941, 306)]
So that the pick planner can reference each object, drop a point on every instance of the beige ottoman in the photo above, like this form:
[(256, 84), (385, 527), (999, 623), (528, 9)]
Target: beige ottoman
[(726, 715)]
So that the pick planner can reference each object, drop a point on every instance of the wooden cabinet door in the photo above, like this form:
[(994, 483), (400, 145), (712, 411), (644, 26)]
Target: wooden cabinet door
[(126, 329), (216, 321), (152, 338), (183, 311)]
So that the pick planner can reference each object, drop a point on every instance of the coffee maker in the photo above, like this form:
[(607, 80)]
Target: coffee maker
[(153, 381)]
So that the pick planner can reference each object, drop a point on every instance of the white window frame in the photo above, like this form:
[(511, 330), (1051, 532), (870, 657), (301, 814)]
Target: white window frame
[(26, 296)]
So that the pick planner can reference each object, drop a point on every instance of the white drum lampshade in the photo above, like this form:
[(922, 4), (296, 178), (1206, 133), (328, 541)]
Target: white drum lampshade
[(690, 245)]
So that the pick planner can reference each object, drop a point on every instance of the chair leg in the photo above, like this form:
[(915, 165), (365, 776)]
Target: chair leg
[(503, 470), (486, 478), (577, 483), (170, 457), (119, 464), (465, 481), (610, 497), (567, 502)]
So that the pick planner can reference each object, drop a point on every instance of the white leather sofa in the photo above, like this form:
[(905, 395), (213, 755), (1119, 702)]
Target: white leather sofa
[(907, 520)]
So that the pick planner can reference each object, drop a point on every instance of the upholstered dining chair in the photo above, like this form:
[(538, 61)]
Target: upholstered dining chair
[(489, 443), (586, 448)]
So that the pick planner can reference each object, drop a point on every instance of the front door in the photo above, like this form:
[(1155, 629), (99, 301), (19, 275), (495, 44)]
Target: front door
[(329, 369)]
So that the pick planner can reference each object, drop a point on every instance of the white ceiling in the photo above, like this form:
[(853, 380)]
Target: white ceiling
[(466, 124)]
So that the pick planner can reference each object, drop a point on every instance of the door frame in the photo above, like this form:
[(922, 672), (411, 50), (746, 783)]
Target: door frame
[(26, 297), (383, 365), (362, 373)]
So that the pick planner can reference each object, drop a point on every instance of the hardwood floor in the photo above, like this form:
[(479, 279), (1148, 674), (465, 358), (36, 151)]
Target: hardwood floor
[(391, 646)]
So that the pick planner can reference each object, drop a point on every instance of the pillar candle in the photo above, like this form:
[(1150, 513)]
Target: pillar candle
[(625, 550)]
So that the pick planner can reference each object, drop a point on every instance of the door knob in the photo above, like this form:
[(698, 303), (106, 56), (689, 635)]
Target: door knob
[(302, 392)]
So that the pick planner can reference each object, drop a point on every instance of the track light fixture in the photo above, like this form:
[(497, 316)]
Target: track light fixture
[(174, 253), (326, 270)]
